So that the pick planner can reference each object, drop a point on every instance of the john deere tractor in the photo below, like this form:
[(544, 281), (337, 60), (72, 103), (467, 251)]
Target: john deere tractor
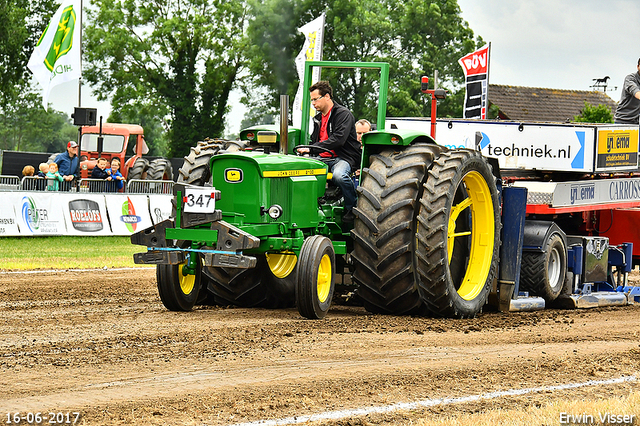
[(257, 225)]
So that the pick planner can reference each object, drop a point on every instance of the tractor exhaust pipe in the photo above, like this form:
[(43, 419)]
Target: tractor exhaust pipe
[(284, 124)]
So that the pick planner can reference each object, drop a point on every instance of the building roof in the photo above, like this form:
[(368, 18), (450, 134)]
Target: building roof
[(537, 104)]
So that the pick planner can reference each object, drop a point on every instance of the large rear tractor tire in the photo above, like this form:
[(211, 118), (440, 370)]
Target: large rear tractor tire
[(178, 291), (458, 235), (52, 158), (543, 274), (384, 229), (316, 277), (139, 169), (195, 169), (160, 169)]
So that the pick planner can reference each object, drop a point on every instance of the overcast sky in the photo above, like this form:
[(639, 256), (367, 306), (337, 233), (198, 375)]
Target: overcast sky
[(558, 44)]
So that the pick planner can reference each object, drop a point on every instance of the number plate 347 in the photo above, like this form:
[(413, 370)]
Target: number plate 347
[(199, 200)]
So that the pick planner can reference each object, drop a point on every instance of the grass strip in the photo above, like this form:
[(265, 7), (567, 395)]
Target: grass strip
[(29, 253)]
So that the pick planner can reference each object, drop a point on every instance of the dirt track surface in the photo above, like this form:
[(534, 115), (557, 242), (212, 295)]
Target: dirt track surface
[(101, 343)]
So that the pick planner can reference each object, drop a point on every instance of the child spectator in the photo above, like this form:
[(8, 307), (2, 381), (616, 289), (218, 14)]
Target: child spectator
[(116, 175), (44, 169), (28, 170), (99, 172), (53, 178)]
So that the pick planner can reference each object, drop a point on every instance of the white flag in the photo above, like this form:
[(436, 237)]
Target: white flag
[(56, 58), (311, 51)]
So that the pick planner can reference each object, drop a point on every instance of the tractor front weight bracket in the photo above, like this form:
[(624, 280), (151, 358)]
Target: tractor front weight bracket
[(227, 242)]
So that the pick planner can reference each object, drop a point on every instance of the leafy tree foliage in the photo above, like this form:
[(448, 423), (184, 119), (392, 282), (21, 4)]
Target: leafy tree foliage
[(594, 114), (23, 22), (24, 124), (146, 116), (416, 37), (179, 57)]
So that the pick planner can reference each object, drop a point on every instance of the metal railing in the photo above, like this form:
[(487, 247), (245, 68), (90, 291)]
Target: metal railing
[(101, 185), (9, 183), (134, 186), (34, 183)]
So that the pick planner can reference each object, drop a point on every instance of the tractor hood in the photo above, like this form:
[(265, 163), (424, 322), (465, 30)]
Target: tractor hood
[(252, 182)]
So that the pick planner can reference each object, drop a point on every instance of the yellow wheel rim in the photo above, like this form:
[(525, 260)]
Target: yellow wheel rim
[(324, 278), (187, 281), (482, 234), (281, 264)]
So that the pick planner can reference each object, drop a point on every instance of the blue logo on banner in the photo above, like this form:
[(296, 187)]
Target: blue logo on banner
[(578, 162)]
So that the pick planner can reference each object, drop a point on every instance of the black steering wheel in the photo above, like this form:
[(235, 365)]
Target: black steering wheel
[(314, 150)]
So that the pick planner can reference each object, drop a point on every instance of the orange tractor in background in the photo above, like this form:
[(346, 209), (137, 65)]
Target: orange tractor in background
[(123, 141), (126, 142)]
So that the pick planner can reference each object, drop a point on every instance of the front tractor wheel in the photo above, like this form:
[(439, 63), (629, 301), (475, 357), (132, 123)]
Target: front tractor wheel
[(178, 286), (458, 235), (316, 277)]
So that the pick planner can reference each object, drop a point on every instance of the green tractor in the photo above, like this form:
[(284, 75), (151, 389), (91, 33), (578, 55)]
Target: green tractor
[(257, 226)]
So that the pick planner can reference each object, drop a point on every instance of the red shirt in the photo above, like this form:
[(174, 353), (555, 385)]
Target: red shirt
[(323, 127)]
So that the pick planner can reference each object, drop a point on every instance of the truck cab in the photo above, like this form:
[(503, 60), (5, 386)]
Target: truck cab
[(123, 141)]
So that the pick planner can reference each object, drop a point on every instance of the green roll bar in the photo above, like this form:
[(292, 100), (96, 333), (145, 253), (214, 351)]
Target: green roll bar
[(306, 97)]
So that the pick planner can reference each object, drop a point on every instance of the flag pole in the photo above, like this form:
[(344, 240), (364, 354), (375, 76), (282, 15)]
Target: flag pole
[(80, 78)]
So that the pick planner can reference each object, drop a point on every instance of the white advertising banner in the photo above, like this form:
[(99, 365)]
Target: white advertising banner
[(85, 214), (160, 207), (603, 191), (8, 217), (128, 213), (40, 213), (553, 147), (56, 213)]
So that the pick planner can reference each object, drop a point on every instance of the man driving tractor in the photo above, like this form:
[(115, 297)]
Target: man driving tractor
[(334, 130)]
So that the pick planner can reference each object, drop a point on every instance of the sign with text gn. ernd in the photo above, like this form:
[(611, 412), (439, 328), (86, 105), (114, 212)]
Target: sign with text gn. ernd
[(617, 149)]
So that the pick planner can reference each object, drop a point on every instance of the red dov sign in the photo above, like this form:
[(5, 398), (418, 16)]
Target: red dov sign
[(476, 71), (477, 62)]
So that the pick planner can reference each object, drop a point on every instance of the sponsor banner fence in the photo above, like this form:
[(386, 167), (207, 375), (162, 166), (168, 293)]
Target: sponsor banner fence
[(39, 214), (8, 217), (128, 213), (160, 208), (42, 213), (86, 214)]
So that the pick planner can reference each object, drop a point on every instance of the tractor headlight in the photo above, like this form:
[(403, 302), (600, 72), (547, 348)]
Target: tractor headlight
[(275, 211)]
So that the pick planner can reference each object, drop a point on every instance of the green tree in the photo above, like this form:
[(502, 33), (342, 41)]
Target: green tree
[(23, 22), (13, 36), (414, 36), (26, 126), (594, 114), (182, 56), (146, 116)]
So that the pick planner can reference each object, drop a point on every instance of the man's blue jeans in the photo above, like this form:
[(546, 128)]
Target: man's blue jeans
[(341, 170)]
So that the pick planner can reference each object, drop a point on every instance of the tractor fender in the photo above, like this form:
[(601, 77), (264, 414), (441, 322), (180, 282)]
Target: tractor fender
[(537, 233)]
